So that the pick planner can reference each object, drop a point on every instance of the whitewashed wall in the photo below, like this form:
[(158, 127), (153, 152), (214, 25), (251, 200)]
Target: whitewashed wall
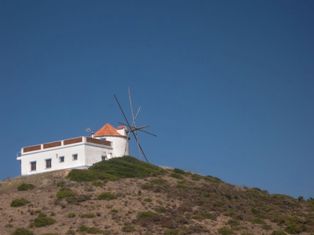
[(94, 154), (88, 154), (120, 145)]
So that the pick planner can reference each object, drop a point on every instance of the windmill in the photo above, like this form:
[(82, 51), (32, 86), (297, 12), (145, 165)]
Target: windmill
[(131, 126)]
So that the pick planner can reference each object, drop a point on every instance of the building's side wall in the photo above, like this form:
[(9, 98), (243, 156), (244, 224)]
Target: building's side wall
[(54, 154), (95, 153), (120, 146)]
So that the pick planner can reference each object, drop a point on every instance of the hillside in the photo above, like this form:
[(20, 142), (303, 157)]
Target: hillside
[(127, 196)]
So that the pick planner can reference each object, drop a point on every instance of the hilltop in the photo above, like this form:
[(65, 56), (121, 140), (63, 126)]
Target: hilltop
[(128, 196)]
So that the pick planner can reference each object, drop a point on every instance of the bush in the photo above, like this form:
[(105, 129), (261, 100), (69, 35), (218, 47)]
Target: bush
[(70, 196), (128, 228), (22, 231), (43, 220), (147, 217), (196, 177), (71, 215), (310, 202), (106, 196), (179, 171), (176, 176), (225, 231), (70, 232), (213, 179), (157, 185), (278, 232), (91, 230), (25, 187), (77, 198), (295, 228), (172, 232), (147, 200), (65, 193), (116, 168), (202, 215), (85, 175), (19, 202), (233, 222), (88, 215)]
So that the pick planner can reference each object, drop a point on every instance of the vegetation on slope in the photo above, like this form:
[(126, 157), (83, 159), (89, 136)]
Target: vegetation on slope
[(125, 195), (116, 168)]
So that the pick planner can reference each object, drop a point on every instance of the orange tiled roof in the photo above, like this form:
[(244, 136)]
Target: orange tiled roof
[(107, 129)]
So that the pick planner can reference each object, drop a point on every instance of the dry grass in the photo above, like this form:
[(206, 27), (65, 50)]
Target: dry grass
[(162, 202)]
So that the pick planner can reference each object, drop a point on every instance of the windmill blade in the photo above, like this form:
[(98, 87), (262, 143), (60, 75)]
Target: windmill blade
[(123, 113), (136, 128), (140, 148), (131, 106), (137, 112), (129, 126), (147, 132)]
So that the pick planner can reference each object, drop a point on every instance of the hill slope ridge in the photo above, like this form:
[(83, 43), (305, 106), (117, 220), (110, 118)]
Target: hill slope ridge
[(128, 196)]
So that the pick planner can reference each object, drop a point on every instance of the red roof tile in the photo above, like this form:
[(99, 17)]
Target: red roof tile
[(107, 130)]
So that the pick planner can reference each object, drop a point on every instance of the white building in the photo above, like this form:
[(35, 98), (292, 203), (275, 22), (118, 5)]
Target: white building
[(80, 152)]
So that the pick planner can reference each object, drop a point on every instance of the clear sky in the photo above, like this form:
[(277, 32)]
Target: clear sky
[(228, 86)]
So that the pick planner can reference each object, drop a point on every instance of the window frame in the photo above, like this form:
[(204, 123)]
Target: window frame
[(104, 157), (33, 165), (74, 157), (48, 160)]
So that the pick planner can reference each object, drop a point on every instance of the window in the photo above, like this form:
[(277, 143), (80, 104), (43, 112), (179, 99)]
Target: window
[(74, 157), (48, 163), (33, 166), (104, 157), (61, 159)]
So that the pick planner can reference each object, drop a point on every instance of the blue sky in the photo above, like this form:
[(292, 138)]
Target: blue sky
[(227, 85)]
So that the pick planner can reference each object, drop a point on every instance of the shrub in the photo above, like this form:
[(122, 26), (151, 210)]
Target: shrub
[(65, 193), (43, 220), (116, 168), (147, 216), (70, 232), (278, 232), (22, 231), (77, 198), (84, 175), (147, 200), (176, 176), (71, 215), (128, 228), (70, 196), (201, 215), (19, 202), (91, 230), (179, 171), (295, 228), (310, 202), (160, 209), (25, 187), (258, 221), (225, 231), (266, 227), (106, 196), (172, 232), (213, 179), (88, 215), (98, 183), (156, 185), (196, 177)]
